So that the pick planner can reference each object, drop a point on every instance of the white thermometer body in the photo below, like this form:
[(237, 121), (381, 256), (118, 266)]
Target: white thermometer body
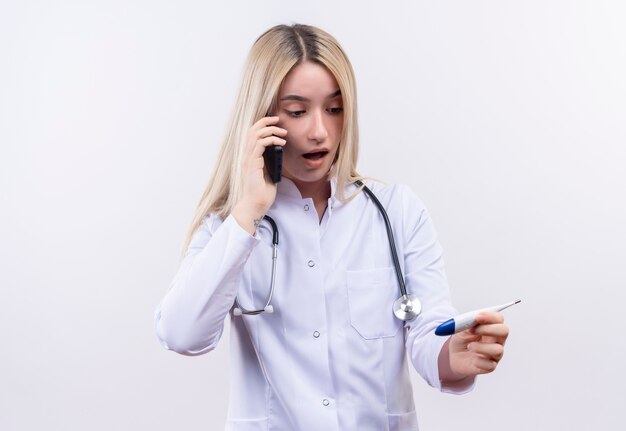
[(467, 320)]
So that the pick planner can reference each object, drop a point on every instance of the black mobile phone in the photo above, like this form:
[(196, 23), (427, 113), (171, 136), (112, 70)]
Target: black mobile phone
[(273, 156)]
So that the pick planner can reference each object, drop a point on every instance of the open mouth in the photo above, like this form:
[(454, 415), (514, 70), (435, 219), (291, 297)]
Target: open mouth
[(316, 155)]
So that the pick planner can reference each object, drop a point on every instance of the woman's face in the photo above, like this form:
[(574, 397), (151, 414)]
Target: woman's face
[(310, 107)]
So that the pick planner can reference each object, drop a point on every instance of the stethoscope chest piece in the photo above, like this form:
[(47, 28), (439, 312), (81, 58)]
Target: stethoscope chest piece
[(407, 307)]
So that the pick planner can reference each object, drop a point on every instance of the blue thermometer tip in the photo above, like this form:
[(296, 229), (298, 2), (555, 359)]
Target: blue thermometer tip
[(446, 328)]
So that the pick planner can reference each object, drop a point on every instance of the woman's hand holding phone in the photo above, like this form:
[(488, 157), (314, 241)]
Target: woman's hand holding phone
[(259, 191)]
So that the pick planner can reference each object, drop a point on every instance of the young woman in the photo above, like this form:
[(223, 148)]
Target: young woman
[(315, 344)]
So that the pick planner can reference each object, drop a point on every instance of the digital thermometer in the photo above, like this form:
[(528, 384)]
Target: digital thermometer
[(467, 320)]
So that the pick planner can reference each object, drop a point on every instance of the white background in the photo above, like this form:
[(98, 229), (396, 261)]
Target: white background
[(508, 118)]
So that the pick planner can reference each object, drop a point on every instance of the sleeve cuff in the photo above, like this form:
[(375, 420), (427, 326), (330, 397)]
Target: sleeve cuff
[(240, 233), (459, 387)]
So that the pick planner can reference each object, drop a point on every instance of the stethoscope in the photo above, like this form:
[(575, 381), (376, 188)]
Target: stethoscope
[(406, 307)]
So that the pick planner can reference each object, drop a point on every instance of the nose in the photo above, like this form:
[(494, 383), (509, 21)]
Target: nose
[(317, 129)]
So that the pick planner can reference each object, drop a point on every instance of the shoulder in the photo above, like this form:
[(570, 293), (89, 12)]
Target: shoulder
[(396, 194), (405, 209)]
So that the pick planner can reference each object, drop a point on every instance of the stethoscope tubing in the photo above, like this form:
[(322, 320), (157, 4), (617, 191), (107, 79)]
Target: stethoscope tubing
[(239, 310), (392, 242), (407, 307)]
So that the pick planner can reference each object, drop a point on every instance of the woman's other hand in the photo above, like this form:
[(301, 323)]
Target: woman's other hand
[(477, 350)]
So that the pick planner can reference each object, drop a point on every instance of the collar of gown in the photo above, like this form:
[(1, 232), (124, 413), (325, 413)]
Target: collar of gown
[(287, 188)]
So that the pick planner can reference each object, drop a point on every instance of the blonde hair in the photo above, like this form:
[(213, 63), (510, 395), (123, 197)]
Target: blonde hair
[(274, 54)]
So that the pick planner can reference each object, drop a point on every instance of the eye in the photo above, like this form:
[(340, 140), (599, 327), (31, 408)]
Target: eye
[(336, 110), (295, 113)]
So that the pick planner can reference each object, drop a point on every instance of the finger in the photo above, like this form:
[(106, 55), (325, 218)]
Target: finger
[(460, 341), (499, 330), (271, 130), (261, 144), (268, 131), (483, 366), (264, 122), (491, 351), (491, 340), (271, 140), (485, 317), (255, 133), (465, 337)]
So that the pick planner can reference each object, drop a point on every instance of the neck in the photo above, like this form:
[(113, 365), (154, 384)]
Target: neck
[(319, 191)]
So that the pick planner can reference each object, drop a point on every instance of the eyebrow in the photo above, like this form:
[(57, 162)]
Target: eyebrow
[(304, 99)]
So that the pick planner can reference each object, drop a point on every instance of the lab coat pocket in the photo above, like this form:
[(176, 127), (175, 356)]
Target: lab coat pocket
[(371, 294)]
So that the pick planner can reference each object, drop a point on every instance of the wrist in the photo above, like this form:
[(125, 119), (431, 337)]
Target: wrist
[(446, 371), (247, 216)]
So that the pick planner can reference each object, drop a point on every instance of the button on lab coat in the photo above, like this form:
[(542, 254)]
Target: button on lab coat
[(331, 356)]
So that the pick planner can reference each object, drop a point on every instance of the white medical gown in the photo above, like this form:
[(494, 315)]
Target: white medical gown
[(332, 356)]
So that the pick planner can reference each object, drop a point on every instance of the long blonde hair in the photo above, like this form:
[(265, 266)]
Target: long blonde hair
[(274, 54)]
